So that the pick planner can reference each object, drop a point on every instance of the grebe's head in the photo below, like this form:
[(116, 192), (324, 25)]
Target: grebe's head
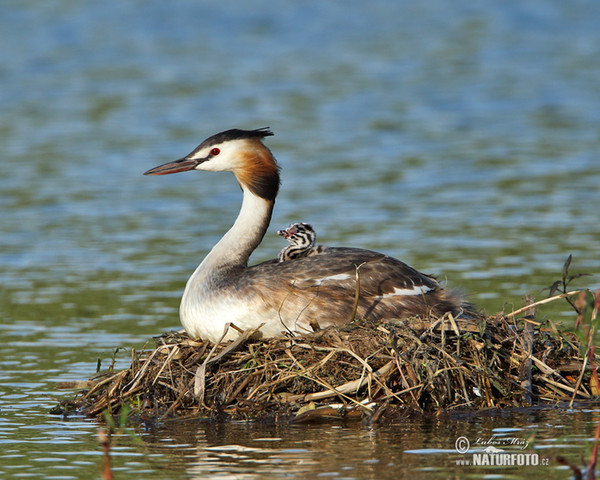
[(299, 234), (239, 151)]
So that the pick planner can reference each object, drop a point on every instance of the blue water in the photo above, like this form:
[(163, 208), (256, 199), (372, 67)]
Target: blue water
[(461, 137)]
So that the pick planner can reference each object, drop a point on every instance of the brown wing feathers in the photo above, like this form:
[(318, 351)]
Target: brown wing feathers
[(324, 283)]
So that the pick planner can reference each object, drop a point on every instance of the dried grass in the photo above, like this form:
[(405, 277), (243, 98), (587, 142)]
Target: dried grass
[(364, 370)]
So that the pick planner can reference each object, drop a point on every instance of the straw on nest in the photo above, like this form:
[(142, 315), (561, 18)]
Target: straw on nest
[(363, 369)]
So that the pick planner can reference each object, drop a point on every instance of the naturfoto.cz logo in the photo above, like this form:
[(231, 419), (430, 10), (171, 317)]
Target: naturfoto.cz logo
[(487, 453)]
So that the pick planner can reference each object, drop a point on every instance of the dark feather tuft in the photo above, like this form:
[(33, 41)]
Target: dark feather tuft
[(236, 134)]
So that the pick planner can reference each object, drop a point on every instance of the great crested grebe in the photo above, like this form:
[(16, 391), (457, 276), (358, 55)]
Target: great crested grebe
[(302, 238), (281, 297)]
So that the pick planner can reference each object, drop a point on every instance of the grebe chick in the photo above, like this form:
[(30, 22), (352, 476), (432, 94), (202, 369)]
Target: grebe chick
[(302, 239), (281, 297)]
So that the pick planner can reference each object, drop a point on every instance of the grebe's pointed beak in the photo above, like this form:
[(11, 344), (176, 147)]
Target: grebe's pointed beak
[(181, 165)]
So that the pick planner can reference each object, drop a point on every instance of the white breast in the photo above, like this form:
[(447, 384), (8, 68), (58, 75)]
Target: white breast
[(204, 312)]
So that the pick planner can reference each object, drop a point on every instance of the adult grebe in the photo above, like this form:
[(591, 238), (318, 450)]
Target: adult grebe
[(302, 238), (282, 297)]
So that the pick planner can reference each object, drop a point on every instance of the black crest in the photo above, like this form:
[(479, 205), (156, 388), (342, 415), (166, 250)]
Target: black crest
[(236, 134)]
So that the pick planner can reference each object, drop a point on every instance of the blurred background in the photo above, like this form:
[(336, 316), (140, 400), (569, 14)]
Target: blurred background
[(460, 137)]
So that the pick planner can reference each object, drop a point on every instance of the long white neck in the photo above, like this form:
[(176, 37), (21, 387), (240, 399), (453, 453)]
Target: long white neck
[(236, 246)]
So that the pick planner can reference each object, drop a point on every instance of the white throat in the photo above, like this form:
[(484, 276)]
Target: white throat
[(236, 246), (208, 301)]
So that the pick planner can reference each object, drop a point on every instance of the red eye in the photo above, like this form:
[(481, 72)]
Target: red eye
[(215, 151)]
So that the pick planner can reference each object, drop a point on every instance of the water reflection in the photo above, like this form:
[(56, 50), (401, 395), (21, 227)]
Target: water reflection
[(425, 449), (460, 137)]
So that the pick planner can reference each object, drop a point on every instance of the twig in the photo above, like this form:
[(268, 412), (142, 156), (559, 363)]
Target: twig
[(172, 353), (138, 378), (174, 405), (525, 373), (563, 387), (586, 357), (340, 393), (404, 381), (456, 331), (199, 377), (356, 294), (541, 302), (443, 333), (239, 389), (345, 388), (305, 371), (100, 384)]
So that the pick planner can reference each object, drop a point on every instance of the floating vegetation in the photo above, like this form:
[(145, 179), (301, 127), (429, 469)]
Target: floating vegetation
[(367, 370), (362, 369)]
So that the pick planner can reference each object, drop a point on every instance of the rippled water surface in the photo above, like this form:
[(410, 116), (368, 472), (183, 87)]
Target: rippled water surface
[(461, 137)]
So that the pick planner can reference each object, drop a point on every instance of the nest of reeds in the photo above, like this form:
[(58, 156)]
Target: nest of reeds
[(365, 369)]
